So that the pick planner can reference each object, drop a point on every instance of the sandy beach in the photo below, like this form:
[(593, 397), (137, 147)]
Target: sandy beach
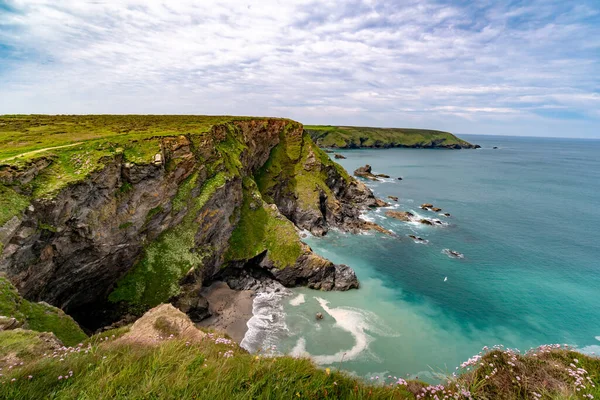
[(230, 309)]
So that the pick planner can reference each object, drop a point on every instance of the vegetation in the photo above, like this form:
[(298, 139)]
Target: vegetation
[(214, 368), (261, 227), (355, 137), (38, 316), (104, 367), (155, 278), (290, 162)]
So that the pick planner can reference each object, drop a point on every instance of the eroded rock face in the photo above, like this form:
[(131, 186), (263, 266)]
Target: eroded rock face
[(72, 249)]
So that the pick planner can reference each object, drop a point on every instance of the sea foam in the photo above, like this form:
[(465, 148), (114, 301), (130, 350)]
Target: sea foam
[(296, 301), (267, 324)]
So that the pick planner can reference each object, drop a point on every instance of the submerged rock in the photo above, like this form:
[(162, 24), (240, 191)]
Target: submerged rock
[(426, 206), (319, 316), (453, 253), (395, 198), (339, 157)]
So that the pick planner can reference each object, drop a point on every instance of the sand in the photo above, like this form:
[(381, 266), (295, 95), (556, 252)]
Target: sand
[(231, 310)]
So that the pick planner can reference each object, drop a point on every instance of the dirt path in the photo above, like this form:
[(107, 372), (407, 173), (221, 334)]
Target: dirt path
[(40, 151)]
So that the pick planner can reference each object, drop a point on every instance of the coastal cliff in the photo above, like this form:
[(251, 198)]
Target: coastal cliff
[(107, 216), (353, 137)]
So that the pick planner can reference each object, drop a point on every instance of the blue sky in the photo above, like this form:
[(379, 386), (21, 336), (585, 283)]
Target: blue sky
[(482, 67)]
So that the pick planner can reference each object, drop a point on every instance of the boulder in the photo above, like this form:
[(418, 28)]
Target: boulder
[(405, 216), (9, 323), (436, 209), (399, 178), (395, 198), (426, 222), (447, 214), (382, 176), (365, 172), (426, 206), (339, 157), (319, 316), (161, 323), (380, 203)]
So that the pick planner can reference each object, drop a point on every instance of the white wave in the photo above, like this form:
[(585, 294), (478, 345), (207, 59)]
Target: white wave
[(367, 218), (296, 301), (593, 349), (267, 324), (597, 338), (299, 350), (357, 322)]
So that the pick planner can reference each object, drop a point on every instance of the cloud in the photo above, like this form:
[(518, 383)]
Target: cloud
[(442, 65)]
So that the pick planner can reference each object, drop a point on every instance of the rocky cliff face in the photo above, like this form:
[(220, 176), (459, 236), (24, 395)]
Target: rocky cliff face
[(132, 235)]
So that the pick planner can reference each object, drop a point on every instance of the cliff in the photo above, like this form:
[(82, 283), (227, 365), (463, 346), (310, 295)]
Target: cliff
[(104, 216), (352, 137)]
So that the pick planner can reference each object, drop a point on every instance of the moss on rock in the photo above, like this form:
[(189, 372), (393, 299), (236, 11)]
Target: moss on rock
[(39, 317)]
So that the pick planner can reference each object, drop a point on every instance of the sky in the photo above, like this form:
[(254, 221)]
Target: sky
[(476, 67)]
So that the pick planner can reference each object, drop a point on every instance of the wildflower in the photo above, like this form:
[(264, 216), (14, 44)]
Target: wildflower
[(518, 378), (298, 394), (30, 377), (60, 378), (335, 383), (576, 361), (13, 379), (327, 371)]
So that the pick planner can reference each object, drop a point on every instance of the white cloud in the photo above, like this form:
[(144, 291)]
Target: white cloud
[(351, 62)]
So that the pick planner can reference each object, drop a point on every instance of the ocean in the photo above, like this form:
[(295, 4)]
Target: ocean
[(526, 217)]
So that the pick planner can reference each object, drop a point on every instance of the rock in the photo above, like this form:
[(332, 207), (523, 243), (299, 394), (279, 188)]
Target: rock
[(382, 176), (368, 225), (395, 198), (380, 203), (453, 253), (339, 157), (418, 239), (405, 216), (161, 323), (319, 316), (158, 159), (9, 323), (436, 209), (447, 214), (400, 178), (365, 172), (426, 206), (426, 222), (193, 303), (495, 148)]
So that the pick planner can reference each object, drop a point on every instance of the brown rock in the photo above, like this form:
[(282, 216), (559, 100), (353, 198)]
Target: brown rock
[(436, 209), (405, 216), (395, 198), (365, 172), (426, 222), (162, 322), (374, 227), (339, 157), (382, 176)]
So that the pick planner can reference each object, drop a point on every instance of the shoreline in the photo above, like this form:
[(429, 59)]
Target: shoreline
[(231, 310)]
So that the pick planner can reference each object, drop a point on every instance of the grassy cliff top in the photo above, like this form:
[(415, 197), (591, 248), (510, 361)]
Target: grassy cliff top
[(355, 137), (26, 135)]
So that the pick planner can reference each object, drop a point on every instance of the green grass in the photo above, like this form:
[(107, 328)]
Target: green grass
[(262, 228), (11, 204), (37, 316), (354, 137), (287, 165), (174, 370)]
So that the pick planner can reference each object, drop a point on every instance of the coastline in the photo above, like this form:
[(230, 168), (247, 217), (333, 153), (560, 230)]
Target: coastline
[(231, 310)]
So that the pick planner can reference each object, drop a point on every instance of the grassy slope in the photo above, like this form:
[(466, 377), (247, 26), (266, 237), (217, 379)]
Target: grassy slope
[(216, 368), (90, 138), (350, 136), (175, 370), (38, 317)]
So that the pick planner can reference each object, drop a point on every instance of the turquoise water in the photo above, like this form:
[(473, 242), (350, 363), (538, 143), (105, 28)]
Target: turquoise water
[(525, 216)]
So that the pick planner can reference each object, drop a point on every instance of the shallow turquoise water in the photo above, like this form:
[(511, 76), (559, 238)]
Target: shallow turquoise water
[(526, 217)]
